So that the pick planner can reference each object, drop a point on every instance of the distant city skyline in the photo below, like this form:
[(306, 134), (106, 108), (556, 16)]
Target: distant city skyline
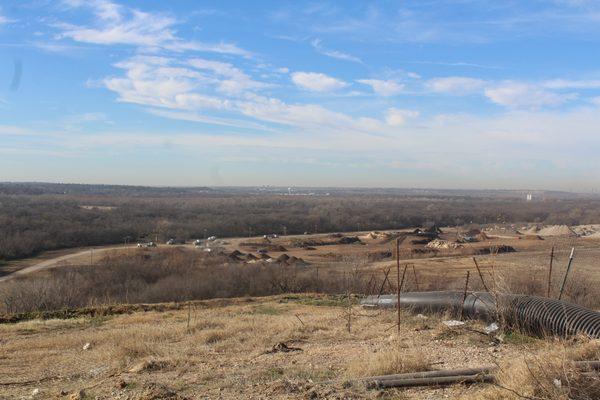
[(422, 94)]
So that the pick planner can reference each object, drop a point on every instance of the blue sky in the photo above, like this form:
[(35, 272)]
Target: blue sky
[(445, 94)]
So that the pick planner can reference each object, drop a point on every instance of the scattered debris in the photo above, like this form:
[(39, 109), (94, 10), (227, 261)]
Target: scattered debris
[(452, 323), (282, 347), (87, 346), (491, 328), (150, 365), (443, 244)]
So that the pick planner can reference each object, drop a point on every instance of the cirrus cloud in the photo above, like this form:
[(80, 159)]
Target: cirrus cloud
[(317, 82)]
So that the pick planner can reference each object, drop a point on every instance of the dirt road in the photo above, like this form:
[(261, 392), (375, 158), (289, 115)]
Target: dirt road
[(53, 262)]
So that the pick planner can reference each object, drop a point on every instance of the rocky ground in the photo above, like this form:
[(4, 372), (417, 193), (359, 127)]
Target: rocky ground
[(300, 346)]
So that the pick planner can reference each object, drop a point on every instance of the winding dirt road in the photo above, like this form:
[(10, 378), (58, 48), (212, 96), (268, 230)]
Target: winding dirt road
[(53, 262)]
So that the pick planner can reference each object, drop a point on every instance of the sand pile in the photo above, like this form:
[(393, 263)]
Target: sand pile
[(556, 230), (443, 245)]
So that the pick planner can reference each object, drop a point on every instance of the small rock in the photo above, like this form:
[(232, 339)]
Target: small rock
[(121, 384), (87, 346), (35, 392), (557, 383), (79, 395), (421, 316)]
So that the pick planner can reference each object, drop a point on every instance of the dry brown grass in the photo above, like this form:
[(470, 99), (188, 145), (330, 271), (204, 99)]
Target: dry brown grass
[(548, 374), (222, 352), (394, 358)]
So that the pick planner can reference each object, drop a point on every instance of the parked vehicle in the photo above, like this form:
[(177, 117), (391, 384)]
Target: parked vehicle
[(146, 244)]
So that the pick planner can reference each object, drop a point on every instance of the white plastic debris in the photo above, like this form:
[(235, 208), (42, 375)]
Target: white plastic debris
[(491, 328), (557, 383), (453, 322), (35, 392), (87, 346), (421, 316)]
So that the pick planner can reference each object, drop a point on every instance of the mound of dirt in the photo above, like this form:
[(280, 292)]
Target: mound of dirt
[(482, 237), (531, 237), (421, 241), (263, 245), (502, 248), (557, 230), (283, 258), (532, 230), (349, 240), (473, 232)]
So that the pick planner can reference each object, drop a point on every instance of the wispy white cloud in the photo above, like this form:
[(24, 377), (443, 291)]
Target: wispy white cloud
[(457, 85), (340, 55), (236, 81), (117, 24), (571, 84), (317, 82), (384, 87), (524, 95)]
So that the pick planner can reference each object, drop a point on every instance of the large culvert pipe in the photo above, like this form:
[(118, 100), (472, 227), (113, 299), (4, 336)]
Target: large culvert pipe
[(529, 314)]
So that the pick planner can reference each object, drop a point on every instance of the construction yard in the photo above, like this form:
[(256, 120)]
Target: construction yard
[(303, 344)]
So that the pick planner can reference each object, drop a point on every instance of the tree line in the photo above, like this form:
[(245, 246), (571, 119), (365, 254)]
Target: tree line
[(30, 223)]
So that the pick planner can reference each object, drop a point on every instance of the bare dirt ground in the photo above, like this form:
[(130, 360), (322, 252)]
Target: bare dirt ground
[(223, 349), (531, 253)]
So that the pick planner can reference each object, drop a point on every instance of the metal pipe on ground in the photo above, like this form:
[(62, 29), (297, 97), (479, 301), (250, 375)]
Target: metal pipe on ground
[(435, 374), (529, 314), (466, 375), (433, 381)]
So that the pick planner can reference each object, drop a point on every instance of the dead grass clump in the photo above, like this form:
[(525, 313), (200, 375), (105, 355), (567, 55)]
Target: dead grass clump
[(151, 365), (589, 349), (389, 360), (215, 336), (548, 374)]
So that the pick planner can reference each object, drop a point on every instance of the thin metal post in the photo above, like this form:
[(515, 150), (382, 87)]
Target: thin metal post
[(562, 288), (398, 279), (550, 272), (416, 280), (464, 296), (480, 275)]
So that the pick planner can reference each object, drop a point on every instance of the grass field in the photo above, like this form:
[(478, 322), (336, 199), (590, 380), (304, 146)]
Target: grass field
[(224, 349)]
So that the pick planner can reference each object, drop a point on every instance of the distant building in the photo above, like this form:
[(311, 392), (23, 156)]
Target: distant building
[(529, 197)]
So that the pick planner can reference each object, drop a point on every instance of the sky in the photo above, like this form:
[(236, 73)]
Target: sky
[(425, 93)]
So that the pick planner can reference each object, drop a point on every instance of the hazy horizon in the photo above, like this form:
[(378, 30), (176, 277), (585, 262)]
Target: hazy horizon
[(431, 95)]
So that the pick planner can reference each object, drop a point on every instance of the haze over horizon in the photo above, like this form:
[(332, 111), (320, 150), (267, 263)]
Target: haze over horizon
[(422, 94)]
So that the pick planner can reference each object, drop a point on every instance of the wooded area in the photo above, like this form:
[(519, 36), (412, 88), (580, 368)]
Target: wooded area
[(31, 223)]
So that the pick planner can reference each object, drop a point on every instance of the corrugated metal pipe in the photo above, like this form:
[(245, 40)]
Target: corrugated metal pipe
[(529, 314)]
